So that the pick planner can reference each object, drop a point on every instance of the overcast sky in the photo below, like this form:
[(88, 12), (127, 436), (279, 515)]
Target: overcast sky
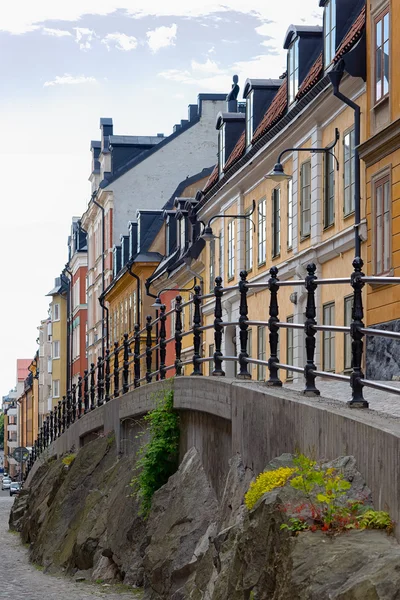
[(66, 64)]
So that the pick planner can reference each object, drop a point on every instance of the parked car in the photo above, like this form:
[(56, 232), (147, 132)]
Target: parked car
[(15, 486), (5, 485)]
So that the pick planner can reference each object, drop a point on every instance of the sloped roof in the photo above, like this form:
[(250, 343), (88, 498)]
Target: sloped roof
[(212, 179), (352, 36), (274, 112), (237, 152), (313, 76)]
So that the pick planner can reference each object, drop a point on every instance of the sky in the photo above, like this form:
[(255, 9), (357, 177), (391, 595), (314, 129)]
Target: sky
[(67, 64)]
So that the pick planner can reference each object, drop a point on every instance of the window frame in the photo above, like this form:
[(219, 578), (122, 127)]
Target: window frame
[(211, 265), (380, 181), (55, 344), (304, 235), (249, 118), (262, 228), (351, 162), (276, 222), (347, 350), (231, 249), (261, 352), (328, 336), (289, 334), (290, 214), (329, 195), (211, 350), (331, 7), (379, 18), (56, 306), (293, 74), (56, 392), (221, 149), (248, 246)]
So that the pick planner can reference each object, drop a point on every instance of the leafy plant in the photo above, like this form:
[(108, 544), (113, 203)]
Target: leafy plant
[(295, 525), (68, 459), (158, 459), (266, 482), (376, 519)]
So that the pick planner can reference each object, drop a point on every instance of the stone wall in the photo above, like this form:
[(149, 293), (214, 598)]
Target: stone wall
[(222, 416)]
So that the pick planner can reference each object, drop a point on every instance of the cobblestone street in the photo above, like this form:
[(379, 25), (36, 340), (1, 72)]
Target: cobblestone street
[(20, 580)]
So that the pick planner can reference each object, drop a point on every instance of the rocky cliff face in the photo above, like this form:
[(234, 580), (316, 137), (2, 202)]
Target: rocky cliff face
[(82, 518)]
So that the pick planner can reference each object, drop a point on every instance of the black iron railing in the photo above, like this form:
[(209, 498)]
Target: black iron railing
[(128, 365)]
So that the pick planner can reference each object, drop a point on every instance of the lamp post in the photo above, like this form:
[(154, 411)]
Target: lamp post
[(209, 236)]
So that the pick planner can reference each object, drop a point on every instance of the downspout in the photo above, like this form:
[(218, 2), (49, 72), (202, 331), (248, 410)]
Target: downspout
[(137, 292), (147, 284), (104, 307), (335, 77), (103, 238)]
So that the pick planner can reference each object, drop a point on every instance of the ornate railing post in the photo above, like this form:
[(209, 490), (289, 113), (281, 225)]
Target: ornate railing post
[(357, 400), (136, 354), (218, 329), (244, 333), (178, 335), (73, 402), (47, 424), (196, 332), (273, 328), (51, 426), (163, 341), (44, 434), (92, 387), (310, 332), (55, 421), (69, 409), (64, 413), (149, 328), (107, 377), (116, 370), (100, 381), (59, 418), (125, 370), (80, 397), (86, 391)]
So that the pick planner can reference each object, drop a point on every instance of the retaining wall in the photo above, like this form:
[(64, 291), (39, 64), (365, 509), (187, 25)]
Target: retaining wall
[(223, 416)]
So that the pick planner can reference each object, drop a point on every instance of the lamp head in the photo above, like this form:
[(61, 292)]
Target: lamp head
[(207, 234), (157, 303), (278, 174)]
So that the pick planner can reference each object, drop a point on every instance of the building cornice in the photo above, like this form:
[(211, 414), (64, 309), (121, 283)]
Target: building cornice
[(381, 144)]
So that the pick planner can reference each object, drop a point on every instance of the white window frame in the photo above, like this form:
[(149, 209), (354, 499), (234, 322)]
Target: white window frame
[(248, 242), (276, 222), (347, 353), (56, 388), (56, 349), (289, 347), (305, 188), (382, 231), (182, 233), (293, 70), (249, 118), (329, 32), (261, 352), (290, 214), (56, 312), (231, 249), (381, 44), (349, 172), (328, 337), (262, 232), (221, 149)]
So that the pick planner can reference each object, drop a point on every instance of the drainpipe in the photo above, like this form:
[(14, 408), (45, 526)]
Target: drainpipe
[(147, 284), (103, 238), (105, 309), (335, 77), (137, 292)]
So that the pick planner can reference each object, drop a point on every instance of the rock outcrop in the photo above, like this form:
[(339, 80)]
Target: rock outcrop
[(81, 519)]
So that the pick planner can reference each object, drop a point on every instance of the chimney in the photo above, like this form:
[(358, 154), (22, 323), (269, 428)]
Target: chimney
[(106, 127), (133, 226), (192, 112), (125, 249), (95, 149)]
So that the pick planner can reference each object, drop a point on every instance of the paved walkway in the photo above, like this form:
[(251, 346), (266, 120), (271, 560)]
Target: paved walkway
[(20, 580)]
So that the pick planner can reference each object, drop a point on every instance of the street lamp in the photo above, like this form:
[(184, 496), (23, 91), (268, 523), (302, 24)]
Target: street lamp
[(157, 302), (209, 236), (278, 173)]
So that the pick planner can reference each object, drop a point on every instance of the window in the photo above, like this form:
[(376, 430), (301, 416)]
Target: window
[(293, 70), (212, 265), (249, 348), (289, 214), (305, 176), (261, 352), (262, 232), (56, 312), (182, 233), (76, 294), (382, 238), (49, 331), (210, 354), (231, 249), (49, 365), (173, 317), (328, 338), (276, 222), (289, 348), (382, 50), (329, 198), (330, 32), (221, 255), (349, 167), (249, 118), (221, 149), (249, 243), (56, 349), (56, 388), (348, 309)]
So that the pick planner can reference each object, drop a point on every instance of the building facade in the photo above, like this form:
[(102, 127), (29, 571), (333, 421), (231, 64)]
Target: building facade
[(45, 368), (58, 310)]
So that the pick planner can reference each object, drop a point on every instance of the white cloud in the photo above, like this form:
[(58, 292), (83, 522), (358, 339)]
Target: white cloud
[(211, 50), (84, 37), (68, 79), (56, 32), (264, 29), (121, 41), (161, 37), (209, 67)]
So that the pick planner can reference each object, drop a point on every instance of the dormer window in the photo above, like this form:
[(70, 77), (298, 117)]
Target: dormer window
[(329, 32), (293, 70), (182, 233), (221, 149), (249, 118)]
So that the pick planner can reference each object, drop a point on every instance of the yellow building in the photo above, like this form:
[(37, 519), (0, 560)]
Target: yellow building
[(59, 351), (306, 218), (28, 402), (381, 155)]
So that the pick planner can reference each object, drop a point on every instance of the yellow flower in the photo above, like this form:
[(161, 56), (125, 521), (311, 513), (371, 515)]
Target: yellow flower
[(266, 482)]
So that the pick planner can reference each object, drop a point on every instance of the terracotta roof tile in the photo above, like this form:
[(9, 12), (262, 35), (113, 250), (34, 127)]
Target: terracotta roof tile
[(211, 180), (274, 113), (354, 34), (313, 76), (237, 152)]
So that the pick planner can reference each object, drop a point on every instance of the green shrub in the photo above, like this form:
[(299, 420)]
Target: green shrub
[(158, 459), (68, 459)]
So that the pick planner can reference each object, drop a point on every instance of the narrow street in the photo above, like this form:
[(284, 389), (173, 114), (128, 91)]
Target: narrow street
[(20, 580)]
